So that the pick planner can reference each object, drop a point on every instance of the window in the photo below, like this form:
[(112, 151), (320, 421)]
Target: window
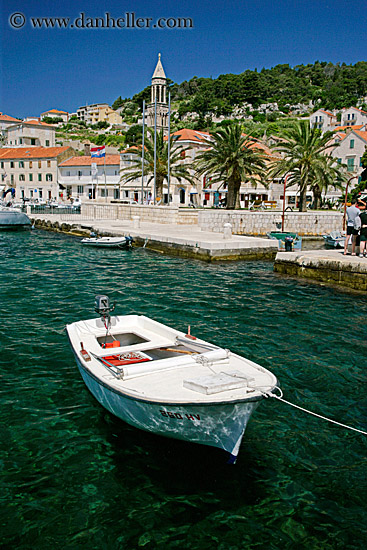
[(80, 173), (39, 164), (21, 177), (350, 165), (80, 189), (12, 178), (21, 164), (48, 164), (20, 141), (11, 164), (40, 193), (2, 164), (30, 164), (339, 161), (39, 177), (30, 177), (351, 145), (116, 193), (47, 143), (48, 177), (33, 141)]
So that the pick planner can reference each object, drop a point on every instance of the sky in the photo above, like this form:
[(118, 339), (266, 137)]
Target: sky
[(65, 68)]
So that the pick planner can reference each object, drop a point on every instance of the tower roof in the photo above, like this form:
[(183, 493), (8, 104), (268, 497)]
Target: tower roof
[(159, 72)]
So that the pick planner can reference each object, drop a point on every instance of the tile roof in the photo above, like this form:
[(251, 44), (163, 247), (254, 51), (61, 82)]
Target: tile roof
[(87, 161), (363, 135), (327, 112), (190, 135), (338, 128), (36, 123), (7, 118), (31, 152), (55, 111)]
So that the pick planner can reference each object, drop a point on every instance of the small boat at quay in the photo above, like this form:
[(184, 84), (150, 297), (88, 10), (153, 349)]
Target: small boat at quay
[(287, 241), (334, 240), (167, 382), (108, 242), (13, 219)]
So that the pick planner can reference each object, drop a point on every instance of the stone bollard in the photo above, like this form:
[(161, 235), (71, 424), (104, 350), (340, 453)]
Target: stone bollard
[(136, 222), (227, 231), (29, 209)]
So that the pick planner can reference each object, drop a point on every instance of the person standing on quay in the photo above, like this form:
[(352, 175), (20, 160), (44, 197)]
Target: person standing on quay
[(352, 213), (363, 237)]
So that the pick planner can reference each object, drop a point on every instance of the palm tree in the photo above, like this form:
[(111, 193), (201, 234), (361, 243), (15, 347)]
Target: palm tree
[(307, 161), (177, 169), (231, 158)]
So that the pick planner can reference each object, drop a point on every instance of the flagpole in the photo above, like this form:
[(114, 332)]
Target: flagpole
[(155, 146), (142, 156), (105, 181), (169, 145)]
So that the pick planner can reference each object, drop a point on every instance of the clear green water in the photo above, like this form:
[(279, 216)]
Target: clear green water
[(74, 477)]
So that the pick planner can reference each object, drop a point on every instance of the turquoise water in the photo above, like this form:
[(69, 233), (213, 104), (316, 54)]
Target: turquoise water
[(74, 477)]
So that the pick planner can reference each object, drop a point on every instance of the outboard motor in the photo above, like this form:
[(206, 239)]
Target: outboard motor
[(103, 308), (102, 305)]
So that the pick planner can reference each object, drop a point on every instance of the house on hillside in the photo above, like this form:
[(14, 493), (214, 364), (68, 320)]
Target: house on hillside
[(5, 122), (353, 117), (55, 113), (351, 147), (324, 120), (30, 133)]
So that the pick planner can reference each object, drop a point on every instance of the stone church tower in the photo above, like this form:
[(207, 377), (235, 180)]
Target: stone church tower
[(159, 91)]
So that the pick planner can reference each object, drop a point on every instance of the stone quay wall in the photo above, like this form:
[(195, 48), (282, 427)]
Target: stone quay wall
[(247, 222), (152, 214), (243, 222)]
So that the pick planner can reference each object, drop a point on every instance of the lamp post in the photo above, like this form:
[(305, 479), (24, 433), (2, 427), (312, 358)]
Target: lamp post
[(285, 183), (345, 200)]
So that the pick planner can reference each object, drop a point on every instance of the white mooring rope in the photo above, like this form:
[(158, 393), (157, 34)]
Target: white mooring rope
[(280, 398)]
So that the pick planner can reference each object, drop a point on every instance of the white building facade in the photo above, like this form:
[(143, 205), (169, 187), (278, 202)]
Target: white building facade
[(31, 133), (91, 178), (33, 172)]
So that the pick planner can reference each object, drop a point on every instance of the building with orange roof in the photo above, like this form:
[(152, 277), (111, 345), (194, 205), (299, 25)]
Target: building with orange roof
[(31, 133), (5, 122), (55, 113), (33, 171), (89, 178), (324, 120), (203, 192), (349, 152), (353, 117)]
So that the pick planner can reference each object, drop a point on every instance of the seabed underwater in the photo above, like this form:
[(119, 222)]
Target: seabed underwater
[(75, 477)]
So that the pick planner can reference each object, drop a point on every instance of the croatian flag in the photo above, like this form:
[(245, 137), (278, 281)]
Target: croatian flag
[(98, 151)]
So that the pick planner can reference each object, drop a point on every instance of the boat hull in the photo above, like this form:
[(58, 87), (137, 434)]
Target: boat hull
[(106, 242), (13, 220), (220, 425)]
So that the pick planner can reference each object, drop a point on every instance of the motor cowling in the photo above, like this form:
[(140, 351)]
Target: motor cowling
[(102, 305)]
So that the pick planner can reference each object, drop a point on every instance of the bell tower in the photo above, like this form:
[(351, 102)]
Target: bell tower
[(159, 93)]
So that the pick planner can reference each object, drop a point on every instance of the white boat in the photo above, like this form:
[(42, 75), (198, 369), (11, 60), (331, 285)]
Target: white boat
[(108, 242), (13, 219), (334, 239), (167, 382)]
